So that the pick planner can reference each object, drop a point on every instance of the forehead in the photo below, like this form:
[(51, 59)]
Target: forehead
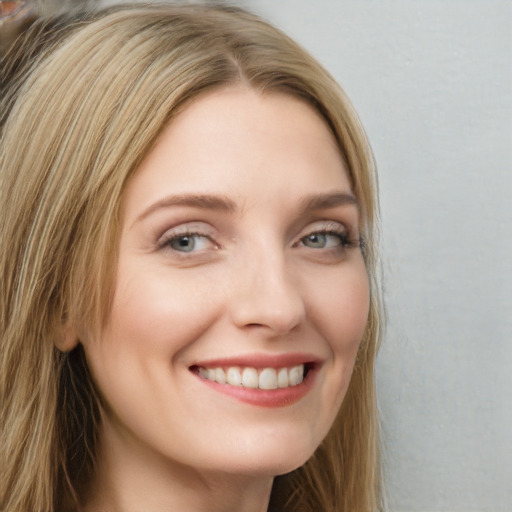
[(238, 141)]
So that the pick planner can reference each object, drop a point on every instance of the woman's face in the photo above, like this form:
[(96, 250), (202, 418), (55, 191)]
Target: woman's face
[(241, 294)]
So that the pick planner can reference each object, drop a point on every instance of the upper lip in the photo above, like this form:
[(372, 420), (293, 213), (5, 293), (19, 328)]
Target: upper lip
[(261, 360)]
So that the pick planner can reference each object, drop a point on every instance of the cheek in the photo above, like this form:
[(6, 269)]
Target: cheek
[(340, 315), (154, 312), (343, 308), (153, 319)]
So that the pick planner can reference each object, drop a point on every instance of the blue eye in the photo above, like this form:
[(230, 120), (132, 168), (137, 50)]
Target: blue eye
[(324, 240), (188, 242), (183, 243)]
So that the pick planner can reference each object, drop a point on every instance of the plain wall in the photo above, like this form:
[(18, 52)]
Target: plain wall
[(432, 82)]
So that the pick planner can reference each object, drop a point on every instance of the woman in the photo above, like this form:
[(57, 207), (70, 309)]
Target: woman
[(190, 315)]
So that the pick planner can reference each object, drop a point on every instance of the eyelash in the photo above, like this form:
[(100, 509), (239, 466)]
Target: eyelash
[(344, 238), (167, 241)]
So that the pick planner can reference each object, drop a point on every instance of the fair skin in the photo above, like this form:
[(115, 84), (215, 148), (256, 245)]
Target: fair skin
[(239, 259)]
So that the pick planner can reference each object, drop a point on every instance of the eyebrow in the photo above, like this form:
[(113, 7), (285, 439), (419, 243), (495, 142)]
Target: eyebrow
[(225, 204), (327, 201), (202, 201)]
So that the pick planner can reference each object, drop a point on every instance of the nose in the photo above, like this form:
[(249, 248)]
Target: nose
[(266, 296)]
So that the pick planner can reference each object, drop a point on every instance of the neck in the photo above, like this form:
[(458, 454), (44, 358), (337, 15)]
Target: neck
[(138, 479)]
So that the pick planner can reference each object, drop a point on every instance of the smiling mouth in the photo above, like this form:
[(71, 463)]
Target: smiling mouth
[(255, 378)]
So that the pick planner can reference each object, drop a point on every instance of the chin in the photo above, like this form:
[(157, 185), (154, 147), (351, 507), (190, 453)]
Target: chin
[(270, 460)]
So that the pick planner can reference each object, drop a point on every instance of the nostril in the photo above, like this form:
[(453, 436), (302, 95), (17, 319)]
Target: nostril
[(273, 325), (254, 326)]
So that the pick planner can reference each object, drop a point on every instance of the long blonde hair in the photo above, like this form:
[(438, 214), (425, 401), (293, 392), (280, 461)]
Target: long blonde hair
[(78, 127)]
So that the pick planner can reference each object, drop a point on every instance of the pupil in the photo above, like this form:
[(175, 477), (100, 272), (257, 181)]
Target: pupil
[(317, 240), (184, 243)]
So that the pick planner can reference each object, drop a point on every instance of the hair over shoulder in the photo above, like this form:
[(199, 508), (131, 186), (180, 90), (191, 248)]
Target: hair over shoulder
[(79, 124)]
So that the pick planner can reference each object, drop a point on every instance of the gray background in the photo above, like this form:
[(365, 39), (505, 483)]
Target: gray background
[(432, 81)]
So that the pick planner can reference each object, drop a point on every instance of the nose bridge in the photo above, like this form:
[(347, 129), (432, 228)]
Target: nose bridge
[(266, 293)]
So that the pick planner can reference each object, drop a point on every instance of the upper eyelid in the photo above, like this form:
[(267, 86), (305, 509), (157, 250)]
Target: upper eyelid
[(171, 236), (325, 225), (187, 228)]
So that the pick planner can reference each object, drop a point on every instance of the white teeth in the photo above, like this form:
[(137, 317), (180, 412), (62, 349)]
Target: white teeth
[(250, 378), (282, 378), (220, 376), (296, 375), (267, 378), (234, 377)]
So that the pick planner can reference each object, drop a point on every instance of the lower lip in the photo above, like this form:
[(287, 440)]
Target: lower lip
[(280, 397)]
